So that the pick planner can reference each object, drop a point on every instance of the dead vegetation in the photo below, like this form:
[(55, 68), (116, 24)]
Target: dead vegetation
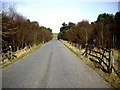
[(19, 54), (111, 78)]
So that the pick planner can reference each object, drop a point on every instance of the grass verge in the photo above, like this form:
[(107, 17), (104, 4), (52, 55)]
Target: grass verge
[(20, 55), (111, 78)]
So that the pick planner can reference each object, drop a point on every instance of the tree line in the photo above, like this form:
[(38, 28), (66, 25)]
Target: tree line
[(19, 32), (105, 31)]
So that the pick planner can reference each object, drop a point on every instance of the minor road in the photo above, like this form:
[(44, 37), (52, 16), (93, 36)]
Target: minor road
[(51, 66)]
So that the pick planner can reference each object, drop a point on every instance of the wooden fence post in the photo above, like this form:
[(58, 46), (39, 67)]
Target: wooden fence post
[(10, 52), (77, 46), (111, 60), (80, 47), (72, 44), (86, 54)]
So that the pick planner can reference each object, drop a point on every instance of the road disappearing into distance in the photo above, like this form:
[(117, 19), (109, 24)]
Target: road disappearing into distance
[(51, 66)]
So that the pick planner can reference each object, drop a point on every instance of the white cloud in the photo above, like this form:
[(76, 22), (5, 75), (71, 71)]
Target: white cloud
[(23, 9), (54, 14)]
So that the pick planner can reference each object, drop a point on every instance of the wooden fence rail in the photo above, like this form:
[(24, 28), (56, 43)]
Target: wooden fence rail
[(102, 56), (7, 54)]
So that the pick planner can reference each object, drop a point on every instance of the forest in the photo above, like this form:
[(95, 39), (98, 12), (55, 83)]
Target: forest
[(105, 31), (19, 32)]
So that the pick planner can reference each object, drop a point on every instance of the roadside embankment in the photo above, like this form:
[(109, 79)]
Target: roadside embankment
[(111, 78), (18, 55)]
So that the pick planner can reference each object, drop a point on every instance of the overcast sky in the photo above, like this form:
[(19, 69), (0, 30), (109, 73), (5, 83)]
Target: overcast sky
[(52, 13)]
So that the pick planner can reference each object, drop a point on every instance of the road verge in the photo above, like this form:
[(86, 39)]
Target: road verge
[(20, 54), (112, 78)]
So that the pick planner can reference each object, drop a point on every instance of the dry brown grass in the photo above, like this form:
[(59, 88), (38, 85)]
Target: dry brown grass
[(19, 54), (111, 78)]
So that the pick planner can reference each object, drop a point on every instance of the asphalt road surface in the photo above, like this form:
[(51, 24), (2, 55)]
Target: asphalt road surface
[(51, 66)]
